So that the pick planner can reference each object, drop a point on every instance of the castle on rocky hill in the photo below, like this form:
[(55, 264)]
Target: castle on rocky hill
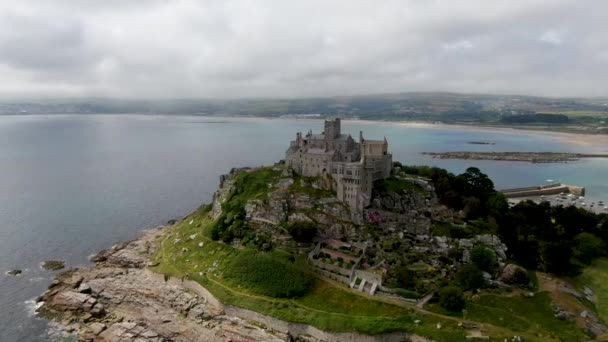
[(352, 166)]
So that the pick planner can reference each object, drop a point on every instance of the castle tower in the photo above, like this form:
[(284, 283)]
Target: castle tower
[(332, 129)]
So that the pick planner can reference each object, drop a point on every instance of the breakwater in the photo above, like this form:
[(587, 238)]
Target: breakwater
[(544, 190)]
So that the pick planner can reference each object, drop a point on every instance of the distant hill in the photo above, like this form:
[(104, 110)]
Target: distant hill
[(445, 107)]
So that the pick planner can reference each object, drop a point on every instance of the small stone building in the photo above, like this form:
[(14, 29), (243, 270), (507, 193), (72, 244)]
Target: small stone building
[(352, 166)]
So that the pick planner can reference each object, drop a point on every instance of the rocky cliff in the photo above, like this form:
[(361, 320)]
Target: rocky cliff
[(397, 227)]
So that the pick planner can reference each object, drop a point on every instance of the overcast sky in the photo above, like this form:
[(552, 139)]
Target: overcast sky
[(281, 48)]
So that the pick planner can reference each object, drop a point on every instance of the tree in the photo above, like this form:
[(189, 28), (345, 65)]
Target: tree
[(484, 259), (477, 183), (602, 231), (587, 247), (451, 299), (470, 277), (556, 257), (497, 205), (403, 277), (472, 207)]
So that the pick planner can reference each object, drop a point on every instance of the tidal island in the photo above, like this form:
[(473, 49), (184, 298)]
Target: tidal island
[(335, 243)]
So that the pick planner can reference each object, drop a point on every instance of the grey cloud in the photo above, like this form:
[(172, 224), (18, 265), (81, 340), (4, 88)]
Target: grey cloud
[(234, 48)]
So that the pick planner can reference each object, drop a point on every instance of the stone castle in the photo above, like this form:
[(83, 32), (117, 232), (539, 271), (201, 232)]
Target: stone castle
[(351, 166)]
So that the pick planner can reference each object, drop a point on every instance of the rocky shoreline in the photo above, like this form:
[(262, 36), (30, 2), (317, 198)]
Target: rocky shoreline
[(117, 299), (531, 157)]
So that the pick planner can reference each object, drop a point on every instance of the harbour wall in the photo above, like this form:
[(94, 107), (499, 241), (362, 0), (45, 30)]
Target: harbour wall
[(544, 190)]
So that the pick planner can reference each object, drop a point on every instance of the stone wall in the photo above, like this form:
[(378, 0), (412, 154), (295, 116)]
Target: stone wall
[(370, 277), (333, 276), (332, 268)]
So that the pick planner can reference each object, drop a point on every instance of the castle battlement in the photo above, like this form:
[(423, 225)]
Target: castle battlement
[(353, 166)]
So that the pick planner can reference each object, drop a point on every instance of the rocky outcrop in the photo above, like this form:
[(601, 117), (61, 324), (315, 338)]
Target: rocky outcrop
[(408, 211), (14, 273), (275, 210), (514, 274), (53, 265), (490, 241), (223, 193), (118, 300)]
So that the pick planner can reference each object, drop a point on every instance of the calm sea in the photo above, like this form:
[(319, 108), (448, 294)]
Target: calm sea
[(71, 185)]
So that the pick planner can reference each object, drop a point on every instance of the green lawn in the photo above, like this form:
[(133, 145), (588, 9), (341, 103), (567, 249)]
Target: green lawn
[(522, 314), (595, 277), (397, 185)]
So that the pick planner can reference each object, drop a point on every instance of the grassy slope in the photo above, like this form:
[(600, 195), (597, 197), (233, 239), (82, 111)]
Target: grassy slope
[(330, 306), (520, 313), (398, 185), (595, 277)]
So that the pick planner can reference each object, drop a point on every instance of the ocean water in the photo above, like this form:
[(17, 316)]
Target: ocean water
[(71, 185)]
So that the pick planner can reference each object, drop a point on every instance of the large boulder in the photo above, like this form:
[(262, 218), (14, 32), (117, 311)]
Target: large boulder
[(14, 273), (493, 242), (73, 301), (514, 274)]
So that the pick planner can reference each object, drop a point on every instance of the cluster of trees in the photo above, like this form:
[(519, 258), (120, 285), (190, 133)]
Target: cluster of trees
[(555, 239), (471, 191)]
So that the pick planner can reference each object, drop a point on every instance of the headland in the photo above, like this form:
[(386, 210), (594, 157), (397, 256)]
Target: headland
[(282, 256)]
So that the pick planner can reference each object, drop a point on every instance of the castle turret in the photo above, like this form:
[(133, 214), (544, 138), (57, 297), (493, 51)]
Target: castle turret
[(332, 129)]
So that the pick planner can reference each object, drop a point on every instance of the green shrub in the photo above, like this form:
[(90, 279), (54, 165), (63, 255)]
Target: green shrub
[(484, 259), (519, 276), (407, 293), (470, 277), (267, 274), (455, 253), (401, 276), (393, 184), (587, 248), (451, 299)]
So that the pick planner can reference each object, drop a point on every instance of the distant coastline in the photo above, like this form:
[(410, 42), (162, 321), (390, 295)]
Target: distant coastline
[(575, 137), (582, 138)]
